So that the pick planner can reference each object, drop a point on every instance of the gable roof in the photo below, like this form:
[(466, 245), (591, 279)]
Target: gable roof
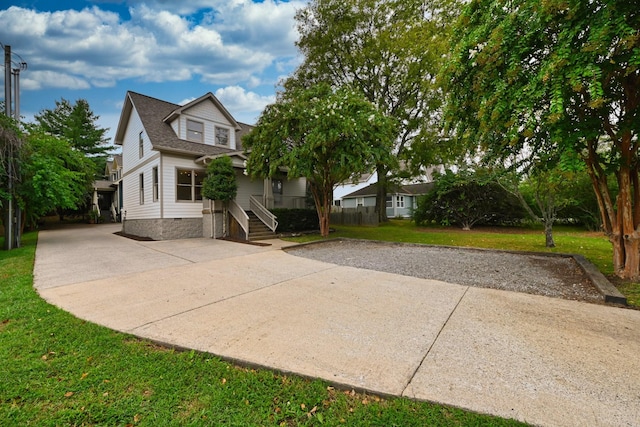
[(208, 96), (152, 113), (409, 189)]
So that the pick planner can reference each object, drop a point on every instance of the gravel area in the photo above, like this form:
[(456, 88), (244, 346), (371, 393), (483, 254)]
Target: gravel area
[(552, 276)]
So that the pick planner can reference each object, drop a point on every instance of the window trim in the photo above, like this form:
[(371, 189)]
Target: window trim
[(141, 185), (389, 202), (195, 135), (222, 128), (193, 186), (140, 145), (154, 184)]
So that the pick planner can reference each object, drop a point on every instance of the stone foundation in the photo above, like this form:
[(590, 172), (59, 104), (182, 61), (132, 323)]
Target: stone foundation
[(207, 225), (164, 229)]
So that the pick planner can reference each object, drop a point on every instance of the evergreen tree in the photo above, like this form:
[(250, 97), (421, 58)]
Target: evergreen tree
[(77, 124)]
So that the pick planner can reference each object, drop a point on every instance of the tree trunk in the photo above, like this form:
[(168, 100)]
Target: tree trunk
[(626, 216), (610, 218), (381, 195), (322, 198), (548, 234)]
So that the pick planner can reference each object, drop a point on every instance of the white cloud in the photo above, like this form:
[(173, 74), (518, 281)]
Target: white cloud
[(42, 79), (234, 44), (244, 106), (186, 101)]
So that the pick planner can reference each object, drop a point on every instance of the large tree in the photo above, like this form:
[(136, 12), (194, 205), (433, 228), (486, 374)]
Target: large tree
[(327, 136), (391, 51), (556, 76), (53, 175), (77, 123)]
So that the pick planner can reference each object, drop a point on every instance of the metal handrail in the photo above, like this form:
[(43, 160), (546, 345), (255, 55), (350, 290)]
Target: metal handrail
[(240, 215), (263, 213)]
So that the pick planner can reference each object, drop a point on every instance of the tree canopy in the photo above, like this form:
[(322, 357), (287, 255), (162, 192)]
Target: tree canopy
[(53, 175), (220, 182), (77, 124), (390, 51), (533, 77), (327, 136), (47, 173)]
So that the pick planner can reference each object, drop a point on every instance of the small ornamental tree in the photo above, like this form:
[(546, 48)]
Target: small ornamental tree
[(220, 183), (323, 135)]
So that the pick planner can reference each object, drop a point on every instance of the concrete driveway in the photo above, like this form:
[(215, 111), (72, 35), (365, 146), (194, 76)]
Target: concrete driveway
[(541, 360)]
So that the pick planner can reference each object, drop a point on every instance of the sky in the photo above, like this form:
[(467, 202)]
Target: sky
[(174, 50)]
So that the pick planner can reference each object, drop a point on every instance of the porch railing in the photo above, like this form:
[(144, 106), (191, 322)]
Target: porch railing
[(240, 215), (263, 213)]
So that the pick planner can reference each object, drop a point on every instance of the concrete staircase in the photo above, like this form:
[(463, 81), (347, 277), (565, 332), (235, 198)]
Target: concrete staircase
[(257, 229)]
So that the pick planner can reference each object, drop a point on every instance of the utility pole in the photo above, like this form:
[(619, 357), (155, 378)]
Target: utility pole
[(8, 219), (16, 115)]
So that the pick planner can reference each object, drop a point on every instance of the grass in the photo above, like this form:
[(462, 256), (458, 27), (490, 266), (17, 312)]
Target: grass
[(593, 246), (58, 370)]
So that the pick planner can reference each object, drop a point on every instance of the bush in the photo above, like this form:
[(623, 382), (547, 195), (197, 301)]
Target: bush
[(466, 199), (293, 220)]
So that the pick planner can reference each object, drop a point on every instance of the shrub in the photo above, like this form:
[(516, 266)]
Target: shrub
[(292, 220), (466, 199)]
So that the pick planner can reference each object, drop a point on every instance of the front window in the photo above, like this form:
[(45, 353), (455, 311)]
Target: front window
[(195, 131), (400, 201), (189, 185), (389, 202), (359, 201), (222, 136), (140, 145)]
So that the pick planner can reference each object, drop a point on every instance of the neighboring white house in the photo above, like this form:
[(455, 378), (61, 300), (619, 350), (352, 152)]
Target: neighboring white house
[(165, 150), (365, 180), (343, 189), (107, 192), (401, 199)]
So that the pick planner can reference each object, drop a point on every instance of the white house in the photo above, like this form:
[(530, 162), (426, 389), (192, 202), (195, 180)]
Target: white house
[(401, 199), (165, 150)]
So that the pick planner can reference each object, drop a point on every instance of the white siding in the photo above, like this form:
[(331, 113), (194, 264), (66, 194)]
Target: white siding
[(130, 154), (133, 166), (131, 193), (352, 202), (246, 188), (348, 203), (294, 188), (173, 208), (207, 113)]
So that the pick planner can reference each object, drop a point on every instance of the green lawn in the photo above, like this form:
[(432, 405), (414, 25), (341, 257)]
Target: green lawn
[(592, 245), (57, 370)]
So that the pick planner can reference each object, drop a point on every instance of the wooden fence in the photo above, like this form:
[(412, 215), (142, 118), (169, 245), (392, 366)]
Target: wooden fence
[(354, 216)]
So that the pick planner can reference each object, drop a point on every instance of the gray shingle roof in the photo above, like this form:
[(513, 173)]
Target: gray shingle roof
[(152, 111), (410, 189)]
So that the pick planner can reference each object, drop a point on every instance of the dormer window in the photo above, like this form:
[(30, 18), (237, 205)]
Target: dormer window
[(222, 136), (195, 131)]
